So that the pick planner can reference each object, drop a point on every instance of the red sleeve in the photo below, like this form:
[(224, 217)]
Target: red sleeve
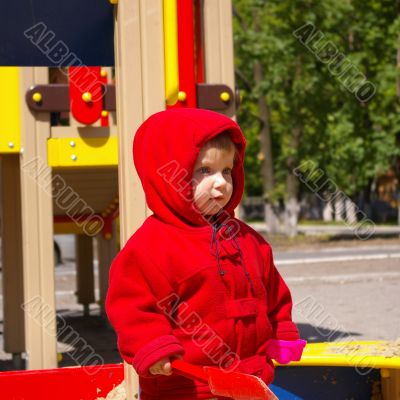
[(279, 302), (143, 330)]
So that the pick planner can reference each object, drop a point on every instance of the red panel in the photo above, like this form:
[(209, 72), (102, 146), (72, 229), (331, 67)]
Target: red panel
[(77, 383), (81, 80), (198, 23), (104, 121), (107, 227), (187, 82)]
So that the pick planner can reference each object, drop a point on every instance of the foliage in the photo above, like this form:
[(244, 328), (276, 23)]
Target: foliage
[(351, 140)]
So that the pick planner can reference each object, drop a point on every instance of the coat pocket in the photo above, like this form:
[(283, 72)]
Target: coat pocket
[(241, 308)]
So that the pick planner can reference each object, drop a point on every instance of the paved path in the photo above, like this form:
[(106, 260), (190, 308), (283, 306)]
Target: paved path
[(344, 230), (356, 296), (337, 254)]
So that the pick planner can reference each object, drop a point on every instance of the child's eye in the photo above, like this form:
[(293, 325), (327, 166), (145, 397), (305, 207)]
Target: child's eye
[(204, 170), (227, 171)]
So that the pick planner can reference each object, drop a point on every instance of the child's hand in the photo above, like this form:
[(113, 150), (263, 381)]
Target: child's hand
[(161, 367)]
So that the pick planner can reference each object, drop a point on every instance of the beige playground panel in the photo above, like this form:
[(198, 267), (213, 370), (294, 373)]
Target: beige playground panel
[(140, 92), (28, 206), (31, 160), (139, 70), (28, 263)]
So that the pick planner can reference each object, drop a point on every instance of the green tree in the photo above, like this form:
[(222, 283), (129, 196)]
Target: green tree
[(300, 100)]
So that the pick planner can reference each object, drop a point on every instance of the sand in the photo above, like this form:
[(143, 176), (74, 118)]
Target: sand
[(118, 393)]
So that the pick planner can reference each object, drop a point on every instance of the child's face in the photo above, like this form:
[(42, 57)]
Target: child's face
[(212, 187)]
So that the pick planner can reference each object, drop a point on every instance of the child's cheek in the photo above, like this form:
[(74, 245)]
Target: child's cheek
[(200, 196), (230, 190)]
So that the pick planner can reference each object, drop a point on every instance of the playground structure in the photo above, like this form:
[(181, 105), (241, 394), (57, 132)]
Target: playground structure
[(78, 178), (52, 182)]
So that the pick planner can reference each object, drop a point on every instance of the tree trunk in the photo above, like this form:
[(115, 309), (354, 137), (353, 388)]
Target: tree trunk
[(267, 168), (398, 57), (292, 207), (328, 211), (351, 212), (398, 91)]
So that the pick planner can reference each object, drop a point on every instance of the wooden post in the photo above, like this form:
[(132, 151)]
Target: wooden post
[(218, 44), (139, 67), (106, 251), (37, 231), (390, 379), (84, 271), (218, 48), (11, 234), (84, 247)]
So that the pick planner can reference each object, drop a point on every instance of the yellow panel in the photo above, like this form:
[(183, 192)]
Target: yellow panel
[(10, 122), (78, 152), (171, 51), (374, 354)]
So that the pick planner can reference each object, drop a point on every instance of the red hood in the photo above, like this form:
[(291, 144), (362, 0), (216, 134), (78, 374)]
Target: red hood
[(165, 149)]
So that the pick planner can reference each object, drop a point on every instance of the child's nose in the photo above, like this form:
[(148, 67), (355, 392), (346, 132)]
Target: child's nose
[(219, 181)]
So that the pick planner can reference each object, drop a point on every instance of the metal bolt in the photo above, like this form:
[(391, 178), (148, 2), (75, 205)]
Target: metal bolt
[(72, 143), (182, 96), (224, 96), (37, 97), (10, 145), (74, 157), (87, 97)]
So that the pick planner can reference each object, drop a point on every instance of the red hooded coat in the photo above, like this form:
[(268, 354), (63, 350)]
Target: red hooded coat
[(183, 285)]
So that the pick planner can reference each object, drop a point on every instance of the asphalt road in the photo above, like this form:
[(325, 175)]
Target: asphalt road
[(342, 254), (344, 293)]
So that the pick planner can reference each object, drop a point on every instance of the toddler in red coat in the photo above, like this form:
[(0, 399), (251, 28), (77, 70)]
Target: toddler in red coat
[(193, 281)]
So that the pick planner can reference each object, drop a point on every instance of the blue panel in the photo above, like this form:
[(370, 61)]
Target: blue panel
[(283, 394), (325, 383), (56, 32)]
